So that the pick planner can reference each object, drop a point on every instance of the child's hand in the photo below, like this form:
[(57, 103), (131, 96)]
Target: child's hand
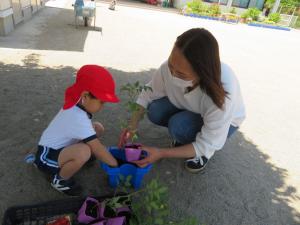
[(101, 153), (99, 128), (113, 162), (126, 135)]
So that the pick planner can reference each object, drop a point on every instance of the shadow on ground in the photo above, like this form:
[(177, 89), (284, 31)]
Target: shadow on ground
[(239, 185), (45, 32)]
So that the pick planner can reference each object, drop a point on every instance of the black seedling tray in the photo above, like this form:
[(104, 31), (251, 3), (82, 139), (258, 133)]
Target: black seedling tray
[(41, 214)]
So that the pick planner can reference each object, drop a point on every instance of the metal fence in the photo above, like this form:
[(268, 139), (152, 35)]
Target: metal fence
[(288, 16)]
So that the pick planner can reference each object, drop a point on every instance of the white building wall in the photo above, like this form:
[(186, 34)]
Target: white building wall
[(6, 17), (4, 4), (12, 12)]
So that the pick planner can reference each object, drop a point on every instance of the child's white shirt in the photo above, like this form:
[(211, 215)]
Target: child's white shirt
[(68, 127)]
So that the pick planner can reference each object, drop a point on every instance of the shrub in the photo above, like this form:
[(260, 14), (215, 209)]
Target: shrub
[(233, 10), (275, 17), (268, 21), (214, 10), (151, 207), (252, 13), (297, 24), (193, 6), (244, 15), (232, 17), (197, 7)]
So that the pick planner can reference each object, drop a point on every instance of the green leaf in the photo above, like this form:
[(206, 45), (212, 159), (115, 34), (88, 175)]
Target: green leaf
[(159, 221), (147, 199), (128, 178), (134, 137), (163, 190), (154, 205), (148, 209), (117, 205), (121, 177)]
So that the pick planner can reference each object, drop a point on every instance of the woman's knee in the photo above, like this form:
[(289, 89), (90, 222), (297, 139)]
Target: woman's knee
[(159, 111), (155, 114), (154, 118), (177, 132)]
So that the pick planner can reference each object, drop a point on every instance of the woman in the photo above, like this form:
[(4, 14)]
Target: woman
[(196, 97)]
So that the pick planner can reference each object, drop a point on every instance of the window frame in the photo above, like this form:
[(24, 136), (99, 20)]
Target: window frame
[(238, 6)]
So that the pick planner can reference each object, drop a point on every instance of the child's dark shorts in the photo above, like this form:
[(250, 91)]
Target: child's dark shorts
[(46, 159)]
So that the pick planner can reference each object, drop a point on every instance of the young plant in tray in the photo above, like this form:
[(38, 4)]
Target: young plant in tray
[(148, 206), (132, 91), (114, 210), (151, 207)]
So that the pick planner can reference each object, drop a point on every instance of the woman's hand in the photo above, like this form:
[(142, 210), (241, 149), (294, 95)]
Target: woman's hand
[(154, 154)]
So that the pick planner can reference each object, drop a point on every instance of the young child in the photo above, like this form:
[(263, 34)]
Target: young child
[(71, 140)]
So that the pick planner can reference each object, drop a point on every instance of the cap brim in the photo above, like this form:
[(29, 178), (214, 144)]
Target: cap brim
[(108, 98)]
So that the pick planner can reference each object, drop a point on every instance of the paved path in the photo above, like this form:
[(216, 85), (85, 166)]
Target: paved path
[(253, 180)]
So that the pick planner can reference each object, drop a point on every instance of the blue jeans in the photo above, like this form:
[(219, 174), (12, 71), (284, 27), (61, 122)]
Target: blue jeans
[(183, 125)]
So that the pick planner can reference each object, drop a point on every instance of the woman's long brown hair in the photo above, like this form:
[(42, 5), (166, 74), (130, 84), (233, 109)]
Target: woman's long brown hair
[(201, 49)]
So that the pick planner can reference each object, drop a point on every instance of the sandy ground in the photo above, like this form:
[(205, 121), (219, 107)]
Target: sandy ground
[(253, 180)]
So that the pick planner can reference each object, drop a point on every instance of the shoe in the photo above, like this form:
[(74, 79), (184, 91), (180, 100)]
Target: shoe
[(29, 158), (195, 165), (68, 187)]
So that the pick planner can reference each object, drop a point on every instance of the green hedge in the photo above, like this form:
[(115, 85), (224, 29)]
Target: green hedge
[(200, 8), (275, 17), (252, 13)]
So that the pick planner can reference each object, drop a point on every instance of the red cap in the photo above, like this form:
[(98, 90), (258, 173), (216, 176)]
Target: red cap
[(94, 79)]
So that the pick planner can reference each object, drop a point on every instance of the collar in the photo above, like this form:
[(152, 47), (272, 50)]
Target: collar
[(82, 108)]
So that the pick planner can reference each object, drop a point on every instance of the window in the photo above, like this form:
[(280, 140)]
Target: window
[(241, 3), (222, 2), (260, 4)]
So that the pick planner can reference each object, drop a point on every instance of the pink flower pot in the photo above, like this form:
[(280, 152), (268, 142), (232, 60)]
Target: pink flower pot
[(106, 212), (102, 222), (123, 210), (101, 210), (89, 211), (133, 145), (132, 152), (116, 221), (97, 213)]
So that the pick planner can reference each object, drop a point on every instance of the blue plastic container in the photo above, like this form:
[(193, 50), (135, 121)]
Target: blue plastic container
[(125, 169)]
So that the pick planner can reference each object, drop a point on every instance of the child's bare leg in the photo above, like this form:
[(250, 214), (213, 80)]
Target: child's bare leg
[(72, 158), (99, 128)]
